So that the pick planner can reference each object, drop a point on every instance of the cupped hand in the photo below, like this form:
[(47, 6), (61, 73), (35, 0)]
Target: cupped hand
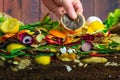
[(60, 7)]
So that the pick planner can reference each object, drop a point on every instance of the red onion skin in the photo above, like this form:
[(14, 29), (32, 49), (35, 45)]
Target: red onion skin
[(51, 41), (22, 36), (31, 40), (88, 37), (87, 46)]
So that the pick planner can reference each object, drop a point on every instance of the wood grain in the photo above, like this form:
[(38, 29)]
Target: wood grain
[(13, 8), (1, 5), (88, 8), (103, 7), (30, 11), (45, 10)]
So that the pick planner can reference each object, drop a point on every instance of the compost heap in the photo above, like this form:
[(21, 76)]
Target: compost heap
[(49, 40)]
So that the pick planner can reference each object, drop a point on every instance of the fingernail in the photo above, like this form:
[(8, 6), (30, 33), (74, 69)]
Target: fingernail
[(74, 16)]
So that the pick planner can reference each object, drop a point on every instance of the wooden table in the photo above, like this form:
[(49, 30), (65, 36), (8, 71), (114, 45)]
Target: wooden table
[(33, 10)]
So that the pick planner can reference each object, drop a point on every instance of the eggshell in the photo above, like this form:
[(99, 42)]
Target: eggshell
[(92, 19)]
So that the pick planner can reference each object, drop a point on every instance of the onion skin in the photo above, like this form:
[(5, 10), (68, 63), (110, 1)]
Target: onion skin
[(88, 37), (22, 36), (87, 46), (53, 40)]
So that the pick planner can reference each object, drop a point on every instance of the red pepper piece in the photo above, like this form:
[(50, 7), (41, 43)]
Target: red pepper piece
[(53, 40), (96, 54)]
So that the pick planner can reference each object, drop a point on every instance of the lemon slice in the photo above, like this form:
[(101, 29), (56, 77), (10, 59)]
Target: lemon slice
[(13, 46), (11, 25), (44, 60), (74, 26), (96, 25)]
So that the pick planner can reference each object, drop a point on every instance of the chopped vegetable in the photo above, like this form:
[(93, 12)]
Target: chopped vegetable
[(57, 33), (113, 18), (25, 38), (95, 60), (87, 46), (10, 25), (44, 60), (94, 24), (13, 46)]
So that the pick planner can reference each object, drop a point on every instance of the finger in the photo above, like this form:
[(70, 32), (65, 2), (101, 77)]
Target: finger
[(59, 12), (78, 7), (58, 2), (69, 9)]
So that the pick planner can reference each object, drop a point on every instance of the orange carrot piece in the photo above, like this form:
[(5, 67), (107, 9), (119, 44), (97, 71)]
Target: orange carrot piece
[(7, 36), (68, 40), (22, 31), (57, 33), (72, 56)]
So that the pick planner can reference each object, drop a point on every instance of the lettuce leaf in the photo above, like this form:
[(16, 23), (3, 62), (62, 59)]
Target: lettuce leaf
[(113, 18)]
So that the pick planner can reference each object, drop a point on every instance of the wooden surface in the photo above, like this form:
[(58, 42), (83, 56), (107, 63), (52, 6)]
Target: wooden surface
[(33, 10)]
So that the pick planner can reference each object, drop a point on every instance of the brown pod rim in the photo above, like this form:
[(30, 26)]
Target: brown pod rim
[(73, 25)]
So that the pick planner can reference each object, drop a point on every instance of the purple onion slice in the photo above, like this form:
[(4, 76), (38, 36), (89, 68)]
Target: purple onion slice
[(87, 46)]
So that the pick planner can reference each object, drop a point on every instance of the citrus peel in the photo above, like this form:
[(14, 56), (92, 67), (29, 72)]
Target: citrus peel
[(57, 33), (44, 60), (11, 25)]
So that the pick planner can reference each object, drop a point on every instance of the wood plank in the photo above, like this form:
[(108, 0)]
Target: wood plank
[(103, 7), (1, 5), (113, 4), (30, 11), (45, 10), (88, 7), (13, 8)]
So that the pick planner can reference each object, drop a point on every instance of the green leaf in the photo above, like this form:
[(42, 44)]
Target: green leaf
[(100, 46), (113, 18), (46, 18), (46, 47), (108, 51), (2, 19), (13, 55), (40, 54), (46, 23), (113, 43), (16, 50)]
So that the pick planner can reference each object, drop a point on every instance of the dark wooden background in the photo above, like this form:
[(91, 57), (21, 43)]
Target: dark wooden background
[(33, 10)]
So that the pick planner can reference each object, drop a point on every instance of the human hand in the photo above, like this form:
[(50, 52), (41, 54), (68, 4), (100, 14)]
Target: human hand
[(60, 7)]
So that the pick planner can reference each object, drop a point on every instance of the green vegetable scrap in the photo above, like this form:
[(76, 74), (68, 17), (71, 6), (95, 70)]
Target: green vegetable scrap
[(15, 53), (2, 17), (46, 23), (113, 18)]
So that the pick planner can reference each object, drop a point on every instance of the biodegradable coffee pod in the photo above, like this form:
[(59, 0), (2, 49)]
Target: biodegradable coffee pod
[(72, 26)]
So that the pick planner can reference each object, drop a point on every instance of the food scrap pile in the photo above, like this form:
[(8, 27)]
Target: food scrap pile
[(65, 40)]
